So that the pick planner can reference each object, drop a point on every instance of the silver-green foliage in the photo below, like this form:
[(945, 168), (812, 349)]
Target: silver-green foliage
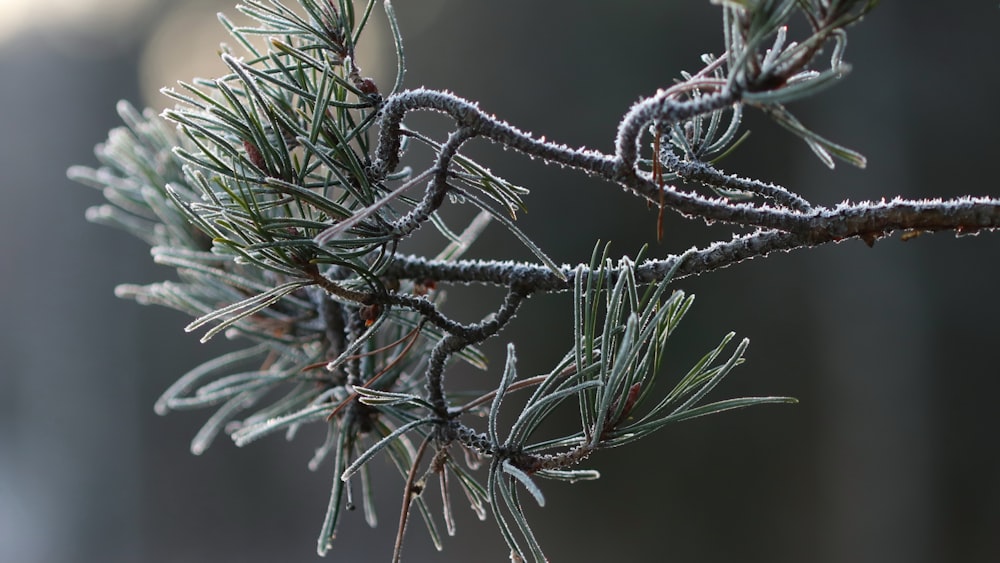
[(277, 194)]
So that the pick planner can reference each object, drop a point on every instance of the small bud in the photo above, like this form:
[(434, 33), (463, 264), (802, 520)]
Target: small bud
[(367, 86), (424, 287), (391, 284), (369, 313), (255, 157)]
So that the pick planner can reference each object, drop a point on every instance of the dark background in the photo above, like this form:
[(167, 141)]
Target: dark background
[(891, 456)]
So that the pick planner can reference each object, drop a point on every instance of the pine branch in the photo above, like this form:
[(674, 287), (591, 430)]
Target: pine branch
[(867, 221), (278, 194)]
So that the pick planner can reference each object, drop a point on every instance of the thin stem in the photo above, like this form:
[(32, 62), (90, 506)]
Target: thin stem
[(409, 492)]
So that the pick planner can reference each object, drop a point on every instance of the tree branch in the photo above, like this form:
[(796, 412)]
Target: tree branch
[(868, 221)]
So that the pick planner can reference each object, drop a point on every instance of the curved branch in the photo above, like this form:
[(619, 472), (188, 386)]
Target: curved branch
[(467, 115), (664, 108), (471, 333), (620, 169), (437, 187), (454, 342), (710, 176)]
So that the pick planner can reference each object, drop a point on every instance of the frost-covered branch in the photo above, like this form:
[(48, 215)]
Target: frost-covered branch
[(867, 221), (281, 191)]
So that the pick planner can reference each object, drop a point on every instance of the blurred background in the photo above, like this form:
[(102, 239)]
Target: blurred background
[(891, 456)]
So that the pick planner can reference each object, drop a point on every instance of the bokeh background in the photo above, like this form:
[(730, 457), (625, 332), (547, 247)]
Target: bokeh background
[(891, 456)]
